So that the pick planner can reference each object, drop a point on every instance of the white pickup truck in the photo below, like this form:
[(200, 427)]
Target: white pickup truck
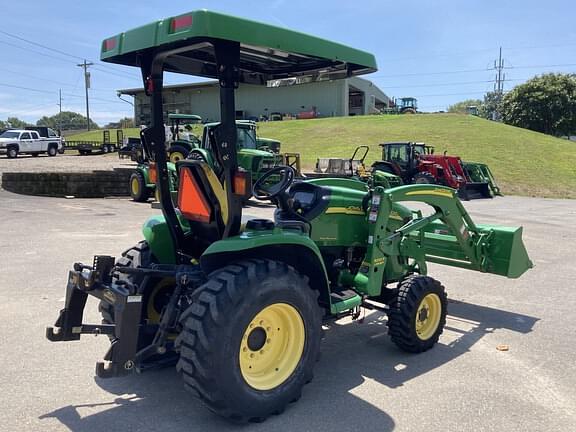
[(18, 141)]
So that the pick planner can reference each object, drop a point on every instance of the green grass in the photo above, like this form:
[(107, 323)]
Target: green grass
[(523, 162)]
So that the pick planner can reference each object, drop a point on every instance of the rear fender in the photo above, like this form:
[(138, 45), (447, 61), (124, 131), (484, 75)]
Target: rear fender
[(289, 246)]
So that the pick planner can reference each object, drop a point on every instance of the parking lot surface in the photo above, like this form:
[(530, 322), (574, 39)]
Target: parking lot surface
[(362, 381)]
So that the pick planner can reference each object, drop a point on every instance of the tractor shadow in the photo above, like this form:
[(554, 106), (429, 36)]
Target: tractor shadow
[(352, 352)]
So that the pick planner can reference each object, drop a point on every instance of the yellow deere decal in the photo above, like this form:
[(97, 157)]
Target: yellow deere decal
[(379, 261), (395, 215), (345, 210), (437, 192)]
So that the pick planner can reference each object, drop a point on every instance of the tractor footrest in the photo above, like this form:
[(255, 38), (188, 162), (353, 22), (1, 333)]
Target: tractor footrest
[(344, 300)]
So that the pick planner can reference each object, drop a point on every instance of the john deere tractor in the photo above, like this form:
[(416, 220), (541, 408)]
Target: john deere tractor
[(255, 155), (239, 307)]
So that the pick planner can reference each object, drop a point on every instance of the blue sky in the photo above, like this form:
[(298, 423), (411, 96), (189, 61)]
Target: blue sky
[(438, 51)]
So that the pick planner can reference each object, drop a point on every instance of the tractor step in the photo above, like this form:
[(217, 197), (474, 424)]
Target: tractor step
[(344, 300)]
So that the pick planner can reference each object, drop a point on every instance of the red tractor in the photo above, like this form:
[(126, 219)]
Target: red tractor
[(417, 163)]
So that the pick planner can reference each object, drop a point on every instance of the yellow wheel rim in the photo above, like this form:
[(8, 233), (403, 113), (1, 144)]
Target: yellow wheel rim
[(428, 316), (153, 306), (272, 346), (176, 156), (135, 186)]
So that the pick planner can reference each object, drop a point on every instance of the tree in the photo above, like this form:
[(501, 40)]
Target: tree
[(490, 108), (462, 107), (16, 123), (546, 103), (66, 120), (126, 122)]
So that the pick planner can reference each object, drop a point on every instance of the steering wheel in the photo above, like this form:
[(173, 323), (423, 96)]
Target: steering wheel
[(262, 191)]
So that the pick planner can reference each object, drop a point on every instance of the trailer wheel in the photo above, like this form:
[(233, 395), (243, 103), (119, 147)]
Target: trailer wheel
[(250, 339), (138, 190), (12, 152), (156, 292), (423, 178), (417, 315), (52, 151)]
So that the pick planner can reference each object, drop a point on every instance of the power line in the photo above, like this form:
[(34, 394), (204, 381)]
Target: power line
[(36, 52), (39, 45), (26, 88)]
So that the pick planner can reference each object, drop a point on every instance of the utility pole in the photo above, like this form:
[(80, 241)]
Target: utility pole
[(86, 87), (60, 112), (499, 82)]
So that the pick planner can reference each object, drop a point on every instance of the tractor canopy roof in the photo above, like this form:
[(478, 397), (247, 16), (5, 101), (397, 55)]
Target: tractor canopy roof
[(244, 124), (267, 53), (189, 117)]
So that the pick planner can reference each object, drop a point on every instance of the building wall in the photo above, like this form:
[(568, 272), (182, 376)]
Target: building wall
[(329, 98)]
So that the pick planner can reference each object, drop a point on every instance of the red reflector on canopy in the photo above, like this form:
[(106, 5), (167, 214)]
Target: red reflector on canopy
[(110, 44), (181, 23), (191, 201)]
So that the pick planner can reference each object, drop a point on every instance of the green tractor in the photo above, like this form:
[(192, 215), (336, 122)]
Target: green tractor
[(238, 307), (181, 136), (255, 155)]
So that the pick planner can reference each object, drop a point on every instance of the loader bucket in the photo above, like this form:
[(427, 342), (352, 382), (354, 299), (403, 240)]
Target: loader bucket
[(480, 173), (475, 190), (505, 252)]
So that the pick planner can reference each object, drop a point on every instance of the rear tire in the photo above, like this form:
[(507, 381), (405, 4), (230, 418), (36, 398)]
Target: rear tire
[(138, 190), (250, 339), (417, 315), (155, 292), (177, 152)]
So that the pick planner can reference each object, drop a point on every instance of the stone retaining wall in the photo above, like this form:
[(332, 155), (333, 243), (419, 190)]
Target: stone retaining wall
[(95, 184)]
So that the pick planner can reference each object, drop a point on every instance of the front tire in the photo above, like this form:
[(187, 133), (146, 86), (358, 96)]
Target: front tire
[(138, 190), (12, 153), (52, 151), (250, 339), (417, 315), (423, 178)]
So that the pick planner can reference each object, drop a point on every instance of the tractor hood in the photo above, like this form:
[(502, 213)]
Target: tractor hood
[(254, 152)]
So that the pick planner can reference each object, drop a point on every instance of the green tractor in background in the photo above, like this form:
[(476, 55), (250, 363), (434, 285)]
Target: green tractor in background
[(255, 155), (181, 135), (237, 304)]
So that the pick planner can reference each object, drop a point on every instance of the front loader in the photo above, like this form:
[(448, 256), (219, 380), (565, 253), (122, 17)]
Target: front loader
[(238, 308)]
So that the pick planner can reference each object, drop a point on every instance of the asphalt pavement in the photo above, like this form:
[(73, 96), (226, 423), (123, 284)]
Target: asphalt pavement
[(362, 381)]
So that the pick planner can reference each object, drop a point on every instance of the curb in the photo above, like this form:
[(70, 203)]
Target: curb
[(95, 184)]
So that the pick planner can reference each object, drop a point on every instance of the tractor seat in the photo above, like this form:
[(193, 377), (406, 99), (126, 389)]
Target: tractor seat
[(307, 201)]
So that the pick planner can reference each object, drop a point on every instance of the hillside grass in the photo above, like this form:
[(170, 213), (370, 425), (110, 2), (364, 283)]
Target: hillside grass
[(523, 162)]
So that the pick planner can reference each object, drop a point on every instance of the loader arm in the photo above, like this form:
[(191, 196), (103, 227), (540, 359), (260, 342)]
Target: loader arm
[(448, 236)]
